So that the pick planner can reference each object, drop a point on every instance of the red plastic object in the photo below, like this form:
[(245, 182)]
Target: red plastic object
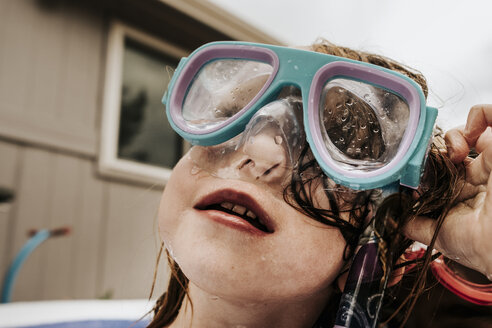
[(480, 294)]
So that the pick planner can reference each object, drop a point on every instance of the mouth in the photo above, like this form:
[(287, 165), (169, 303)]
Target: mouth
[(239, 205)]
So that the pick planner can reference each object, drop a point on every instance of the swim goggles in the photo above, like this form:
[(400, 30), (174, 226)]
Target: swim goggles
[(217, 90)]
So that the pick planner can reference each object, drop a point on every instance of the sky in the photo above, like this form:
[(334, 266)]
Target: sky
[(450, 42)]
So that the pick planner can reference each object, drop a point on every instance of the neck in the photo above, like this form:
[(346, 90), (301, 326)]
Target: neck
[(211, 311)]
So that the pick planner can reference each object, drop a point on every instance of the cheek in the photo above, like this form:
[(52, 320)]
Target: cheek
[(311, 260), (174, 202)]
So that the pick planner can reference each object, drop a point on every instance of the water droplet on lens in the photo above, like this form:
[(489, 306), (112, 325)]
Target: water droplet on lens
[(278, 140)]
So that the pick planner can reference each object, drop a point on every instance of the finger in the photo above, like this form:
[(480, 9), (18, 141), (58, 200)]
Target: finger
[(420, 229), (487, 205), (479, 118), (456, 145), (478, 170), (484, 141)]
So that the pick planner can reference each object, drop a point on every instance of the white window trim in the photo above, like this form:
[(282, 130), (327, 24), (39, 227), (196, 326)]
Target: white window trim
[(109, 164)]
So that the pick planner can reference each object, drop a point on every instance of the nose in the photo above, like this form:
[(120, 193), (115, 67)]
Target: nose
[(263, 158)]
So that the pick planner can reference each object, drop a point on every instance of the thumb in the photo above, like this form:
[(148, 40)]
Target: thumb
[(420, 229)]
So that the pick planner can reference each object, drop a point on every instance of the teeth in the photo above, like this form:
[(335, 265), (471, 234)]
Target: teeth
[(251, 214), (227, 205), (239, 209)]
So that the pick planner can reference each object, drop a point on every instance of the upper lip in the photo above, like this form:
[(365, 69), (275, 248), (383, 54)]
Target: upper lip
[(237, 198)]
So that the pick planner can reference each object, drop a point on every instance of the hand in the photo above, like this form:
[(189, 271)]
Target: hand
[(466, 234)]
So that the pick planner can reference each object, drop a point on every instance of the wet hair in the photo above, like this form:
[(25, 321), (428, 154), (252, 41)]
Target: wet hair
[(348, 209)]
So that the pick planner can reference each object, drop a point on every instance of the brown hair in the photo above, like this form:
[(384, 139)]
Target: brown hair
[(433, 199)]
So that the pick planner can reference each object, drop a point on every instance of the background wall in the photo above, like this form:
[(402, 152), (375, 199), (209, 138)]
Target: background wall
[(52, 66)]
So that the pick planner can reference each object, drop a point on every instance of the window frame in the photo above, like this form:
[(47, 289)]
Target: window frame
[(109, 165)]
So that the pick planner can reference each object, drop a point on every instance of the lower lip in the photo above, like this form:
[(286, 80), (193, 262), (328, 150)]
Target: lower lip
[(232, 221)]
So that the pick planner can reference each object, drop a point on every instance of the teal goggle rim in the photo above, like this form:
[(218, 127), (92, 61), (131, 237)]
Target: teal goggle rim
[(309, 71)]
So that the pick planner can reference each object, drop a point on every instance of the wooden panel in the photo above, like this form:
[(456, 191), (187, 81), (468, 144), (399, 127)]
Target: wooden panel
[(19, 19), (47, 61), (88, 231), (131, 241), (82, 68), (64, 210), (33, 212), (50, 74), (58, 190), (9, 159)]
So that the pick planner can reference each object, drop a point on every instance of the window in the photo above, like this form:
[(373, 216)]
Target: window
[(137, 141)]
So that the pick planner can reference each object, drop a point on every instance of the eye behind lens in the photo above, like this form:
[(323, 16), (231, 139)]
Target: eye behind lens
[(362, 125)]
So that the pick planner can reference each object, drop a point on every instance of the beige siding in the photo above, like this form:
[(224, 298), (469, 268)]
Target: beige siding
[(51, 72), (50, 66), (9, 161), (112, 245), (88, 234), (131, 236), (33, 197)]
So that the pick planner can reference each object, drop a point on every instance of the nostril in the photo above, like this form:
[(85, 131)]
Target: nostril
[(248, 161), (267, 172)]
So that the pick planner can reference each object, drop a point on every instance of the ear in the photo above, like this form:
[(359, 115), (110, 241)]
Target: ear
[(394, 279)]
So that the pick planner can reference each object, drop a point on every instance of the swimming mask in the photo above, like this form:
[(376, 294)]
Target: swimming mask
[(223, 86)]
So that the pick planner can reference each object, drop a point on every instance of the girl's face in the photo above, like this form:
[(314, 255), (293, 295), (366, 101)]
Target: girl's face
[(237, 238)]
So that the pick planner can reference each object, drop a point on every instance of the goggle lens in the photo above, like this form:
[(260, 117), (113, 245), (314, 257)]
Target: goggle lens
[(362, 125), (221, 89)]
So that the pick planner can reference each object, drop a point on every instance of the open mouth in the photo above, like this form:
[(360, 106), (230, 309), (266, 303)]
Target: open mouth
[(242, 212), (240, 205)]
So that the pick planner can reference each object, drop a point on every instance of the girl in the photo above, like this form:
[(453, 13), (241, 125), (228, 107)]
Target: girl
[(299, 154)]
